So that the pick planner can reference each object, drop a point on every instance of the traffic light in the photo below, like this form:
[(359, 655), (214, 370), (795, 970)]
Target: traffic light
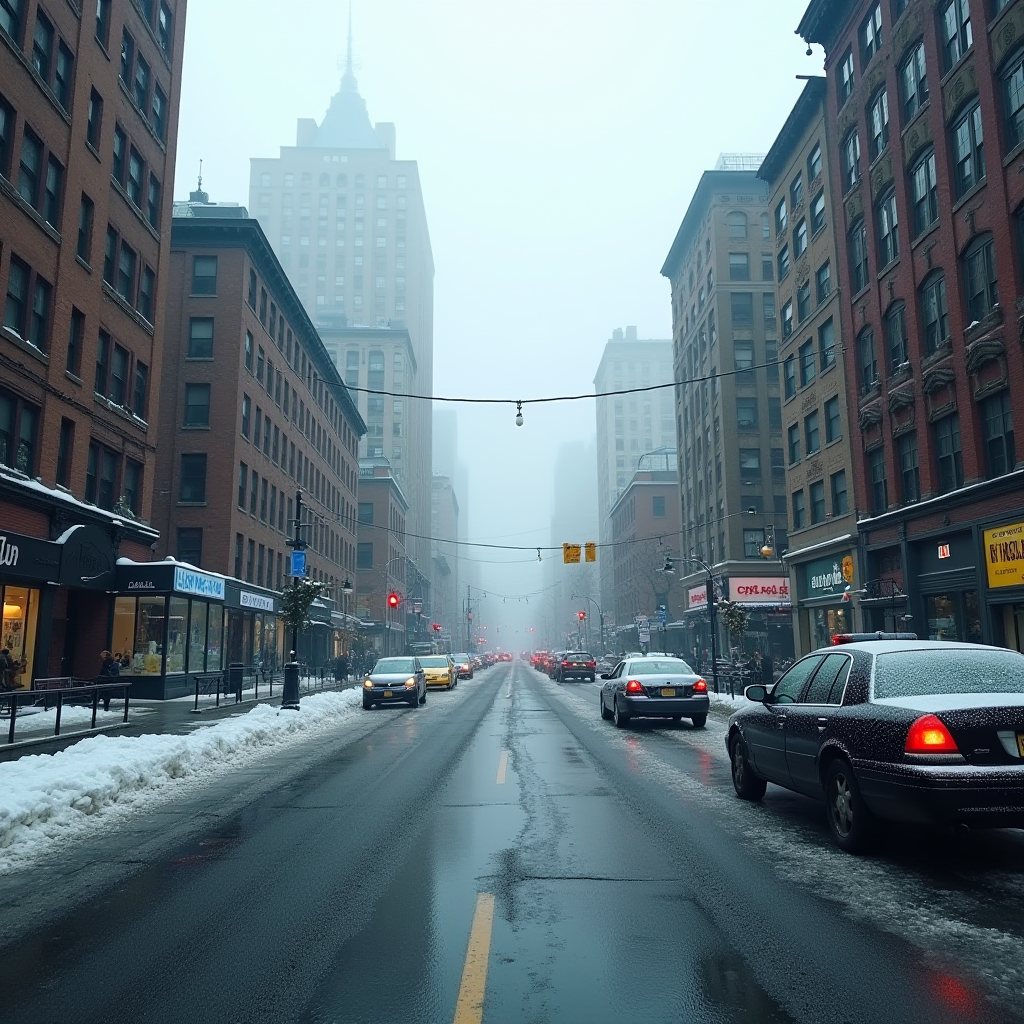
[(581, 616), (436, 627), (393, 600)]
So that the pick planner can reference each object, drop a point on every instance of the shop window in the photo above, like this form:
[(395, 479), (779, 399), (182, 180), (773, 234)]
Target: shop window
[(198, 614), (149, 636), (214, 638), (21, 612), (177, 634)]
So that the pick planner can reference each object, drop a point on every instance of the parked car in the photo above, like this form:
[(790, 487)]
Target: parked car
[(555, 663), (395, 681), (895, 729), (463, 666), (576, 665), (439, 670), (654, 687)]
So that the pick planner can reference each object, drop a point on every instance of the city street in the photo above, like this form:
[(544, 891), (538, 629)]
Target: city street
[(502, 854)]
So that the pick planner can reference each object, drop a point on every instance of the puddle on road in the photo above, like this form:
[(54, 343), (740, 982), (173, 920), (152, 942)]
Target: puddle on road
[(728, 984)]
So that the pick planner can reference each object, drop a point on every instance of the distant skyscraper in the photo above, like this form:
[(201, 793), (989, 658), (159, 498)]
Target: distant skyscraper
[(628, 426), (347, 221)]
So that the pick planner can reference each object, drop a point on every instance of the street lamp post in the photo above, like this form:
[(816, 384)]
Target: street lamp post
[(600, 615), (346, 589), (670, 569)]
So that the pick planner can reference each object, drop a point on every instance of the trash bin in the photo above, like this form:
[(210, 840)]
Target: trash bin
[(234, 680)]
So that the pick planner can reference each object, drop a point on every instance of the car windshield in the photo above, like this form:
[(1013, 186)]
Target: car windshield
[(460, 657), (659, 666), (918, 673), (434, 662), (395, 665)]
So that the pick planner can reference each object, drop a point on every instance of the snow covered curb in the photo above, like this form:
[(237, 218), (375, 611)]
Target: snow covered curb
[(46, 799)]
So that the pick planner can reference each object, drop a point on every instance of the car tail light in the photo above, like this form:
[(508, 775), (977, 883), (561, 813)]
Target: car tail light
[(700, 686), (591, 664), (566, 664), (928, 735), (633, 686), (841, 638)]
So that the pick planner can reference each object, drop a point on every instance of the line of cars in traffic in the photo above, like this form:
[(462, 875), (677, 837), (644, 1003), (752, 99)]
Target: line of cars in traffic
[(406, 679)]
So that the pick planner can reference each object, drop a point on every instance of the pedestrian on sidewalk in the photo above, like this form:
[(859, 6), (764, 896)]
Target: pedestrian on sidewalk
[(109, 671), (341, 668), (6, 671)]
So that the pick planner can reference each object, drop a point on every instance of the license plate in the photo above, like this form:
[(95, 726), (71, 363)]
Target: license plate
[(388, 693), (668, 692), (1020, 743)]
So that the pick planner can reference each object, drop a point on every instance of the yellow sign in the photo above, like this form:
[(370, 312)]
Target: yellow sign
[(1004, 555), (848, 569), (591, 551), (570, 553)]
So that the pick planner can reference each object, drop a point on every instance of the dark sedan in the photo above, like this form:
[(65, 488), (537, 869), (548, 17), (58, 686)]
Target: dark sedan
[(654, 687), (395, 681), (903, 730), (576, 665)]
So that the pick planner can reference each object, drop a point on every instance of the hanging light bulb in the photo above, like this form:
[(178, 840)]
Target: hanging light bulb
[(519, 415)]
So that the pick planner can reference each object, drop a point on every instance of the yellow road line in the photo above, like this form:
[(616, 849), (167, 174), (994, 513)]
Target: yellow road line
[(502, 768), (469, 1009)]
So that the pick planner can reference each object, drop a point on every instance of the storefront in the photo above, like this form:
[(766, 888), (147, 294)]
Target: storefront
[(766, 601), (824, 609), (947, 602), (1004, 567), (255, 630)]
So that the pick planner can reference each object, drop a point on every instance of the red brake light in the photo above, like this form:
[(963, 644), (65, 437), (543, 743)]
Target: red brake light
[(700, 686), (565, 664), (841, 638), (928, 735), (633, 686)]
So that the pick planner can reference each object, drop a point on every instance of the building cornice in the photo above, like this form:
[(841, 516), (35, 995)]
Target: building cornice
[(823, 20), (809, 105)]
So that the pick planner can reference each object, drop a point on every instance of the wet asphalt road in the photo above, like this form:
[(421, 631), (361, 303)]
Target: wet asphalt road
[(503, 855)]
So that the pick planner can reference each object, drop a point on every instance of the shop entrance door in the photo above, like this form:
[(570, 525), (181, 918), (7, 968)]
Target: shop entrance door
[(953, 615)]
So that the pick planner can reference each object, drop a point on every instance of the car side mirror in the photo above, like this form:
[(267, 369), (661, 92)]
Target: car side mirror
[(605, 675), (756, 693)]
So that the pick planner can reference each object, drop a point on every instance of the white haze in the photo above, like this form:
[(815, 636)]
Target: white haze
[(558, 146)]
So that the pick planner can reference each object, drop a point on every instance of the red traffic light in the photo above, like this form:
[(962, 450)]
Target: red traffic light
[(393, 600), (581, 616), (436, 627)]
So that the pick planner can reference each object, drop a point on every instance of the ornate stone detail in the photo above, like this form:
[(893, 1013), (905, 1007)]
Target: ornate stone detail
[(876, 77), (982, 352), (869, 418), (881, 173), (938, 379), (901, 398), (987, 325), (920, 135), (1007, 35), (808, 402), (962, 84), (854, 207), (906, 31)]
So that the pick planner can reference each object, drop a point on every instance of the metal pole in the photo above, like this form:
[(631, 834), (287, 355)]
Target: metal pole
[(711, 618), (290, 692)]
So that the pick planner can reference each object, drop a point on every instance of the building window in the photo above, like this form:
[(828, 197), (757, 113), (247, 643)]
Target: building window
[(818, 213), (796, 190), (743, 354), (823, 281), (781, 218), (814, 164), (968, 151), (845, 77), (364, 555), (739, 267), (753, 541), (888, 229), (101, 476), (204, 275), (65, 451), (870, 34), (243, 483), (851, 159), (808, 367), (913, 83), (787, 319), (125, 281), (876, 480), (193, 479), (119, 376), (980, 277), (190, 545), (997, 430), (85, 219), (803, 301), (246, 413), (910, 476), (783, 261), (812, 433), (878, 123), (197, 405), (858, 242), (19, 434), (793, 443), (800, 239), (867, 364), (250, 560), (658, 506), (896, 337), (833, 424), (1013, 100), (955, 31), (200, 337), (251, 296), (799, 510), (947, 452), (839, 499), (746, 413), (736, 222), (817, 494), (827, 344), (76, 338), (934, 313), (767, 269), (750, 463), (741, 305), (789, 372), (247, 352), (254, 491), (102, 363), (924, 193)]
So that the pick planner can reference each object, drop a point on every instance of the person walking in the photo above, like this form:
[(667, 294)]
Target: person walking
[(6, 671), (109, 671), (341, 668)]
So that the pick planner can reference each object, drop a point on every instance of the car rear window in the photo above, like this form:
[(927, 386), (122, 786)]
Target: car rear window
[(661, 666), (395, 665), (918, 673), (434, 662)]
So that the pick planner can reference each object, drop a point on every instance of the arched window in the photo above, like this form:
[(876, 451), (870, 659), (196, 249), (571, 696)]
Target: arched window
[(1012, 77), (766, 231), (325, 181), (867, 364), (896, 336), (737, 224), (924, 191), (858, 243), (981, 286), (878, 123), (851, 159), (913, 82), (934, 313)]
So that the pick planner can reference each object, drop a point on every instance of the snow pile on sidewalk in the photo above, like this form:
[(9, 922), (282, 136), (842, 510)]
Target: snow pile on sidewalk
[(46, 799)]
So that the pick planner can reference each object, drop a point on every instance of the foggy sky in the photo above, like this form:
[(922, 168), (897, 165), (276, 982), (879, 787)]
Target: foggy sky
[(558, 146)]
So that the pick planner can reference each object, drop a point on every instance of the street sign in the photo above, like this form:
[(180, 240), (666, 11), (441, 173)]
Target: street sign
[(662, 614), (298, 563), (644, 632)]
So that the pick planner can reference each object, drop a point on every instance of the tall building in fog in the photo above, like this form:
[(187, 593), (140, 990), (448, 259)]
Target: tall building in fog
[(629, 426), (347, 221)]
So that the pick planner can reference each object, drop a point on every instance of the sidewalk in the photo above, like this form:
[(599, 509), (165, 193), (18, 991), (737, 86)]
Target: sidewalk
[(34, 726)]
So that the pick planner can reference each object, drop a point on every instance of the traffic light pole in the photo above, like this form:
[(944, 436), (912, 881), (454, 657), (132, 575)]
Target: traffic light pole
[(290, 693)]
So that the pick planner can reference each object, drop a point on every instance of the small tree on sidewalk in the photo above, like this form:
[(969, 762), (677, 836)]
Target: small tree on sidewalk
[(735, 618), (296, 601)]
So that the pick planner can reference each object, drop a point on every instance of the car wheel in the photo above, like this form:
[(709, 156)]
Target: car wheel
[(699, 721), (621, 720), (852, 825), (423, 699), (748, 786), (414, 702), (367, 705), (605, 713)]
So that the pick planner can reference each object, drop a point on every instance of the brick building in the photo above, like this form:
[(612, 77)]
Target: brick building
[(381, 559), (88, 126), (815, 419), (252, 410), (926, 99), (732, 474)]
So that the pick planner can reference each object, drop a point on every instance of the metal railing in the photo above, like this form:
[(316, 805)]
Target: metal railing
[(254, 677), (55, 692)]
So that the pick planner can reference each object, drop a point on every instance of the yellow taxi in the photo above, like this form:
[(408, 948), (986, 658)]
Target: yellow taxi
[(440, 671)]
